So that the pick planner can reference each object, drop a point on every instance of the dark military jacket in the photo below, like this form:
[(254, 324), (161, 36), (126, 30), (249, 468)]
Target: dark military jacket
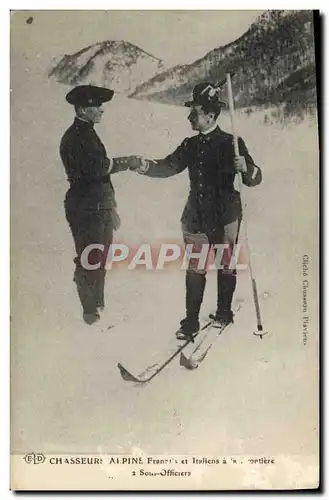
[(213, 201), (88, 168)]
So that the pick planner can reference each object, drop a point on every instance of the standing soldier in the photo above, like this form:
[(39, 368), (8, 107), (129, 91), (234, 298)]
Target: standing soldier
[(90, 205), (213, 211)]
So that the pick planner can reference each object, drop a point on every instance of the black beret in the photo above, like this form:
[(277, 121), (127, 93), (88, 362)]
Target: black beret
[(88, 95), (207, 94)]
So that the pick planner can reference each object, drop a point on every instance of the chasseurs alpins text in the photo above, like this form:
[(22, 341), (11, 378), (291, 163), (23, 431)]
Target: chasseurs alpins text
[(122, 460), (111, 460)]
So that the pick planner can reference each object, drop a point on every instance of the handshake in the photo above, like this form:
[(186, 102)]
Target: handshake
[(138, 164), (135, 163)]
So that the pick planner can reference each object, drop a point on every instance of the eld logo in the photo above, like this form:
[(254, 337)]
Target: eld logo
[(34, 458)]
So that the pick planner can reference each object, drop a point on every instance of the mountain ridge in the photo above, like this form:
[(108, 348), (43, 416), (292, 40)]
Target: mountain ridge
[(110, 63), (262, 60), (273, 63)]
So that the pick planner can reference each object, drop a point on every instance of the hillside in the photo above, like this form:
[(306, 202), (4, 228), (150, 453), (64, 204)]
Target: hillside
[(116, 64), (273, 64)]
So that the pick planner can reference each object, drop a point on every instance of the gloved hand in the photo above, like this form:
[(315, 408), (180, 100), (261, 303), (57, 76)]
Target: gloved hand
[(139, 165), (240, 164), (134, 162)]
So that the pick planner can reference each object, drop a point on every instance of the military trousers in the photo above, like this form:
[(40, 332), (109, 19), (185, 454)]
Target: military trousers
[(90, 227), (227, 235)]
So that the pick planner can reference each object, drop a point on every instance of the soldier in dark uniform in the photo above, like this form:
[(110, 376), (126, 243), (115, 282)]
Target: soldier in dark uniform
[(213, 211), (90, 205)]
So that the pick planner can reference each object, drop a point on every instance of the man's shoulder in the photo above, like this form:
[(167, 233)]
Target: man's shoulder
[(188, 141), (73, 134), (70, 131), (225, 137), (223, 134)]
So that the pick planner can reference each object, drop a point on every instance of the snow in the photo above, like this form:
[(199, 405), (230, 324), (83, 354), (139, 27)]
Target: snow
[(250, 396)]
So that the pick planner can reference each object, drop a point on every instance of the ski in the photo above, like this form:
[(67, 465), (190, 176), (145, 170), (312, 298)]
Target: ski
[(201, 349), (142, 379)]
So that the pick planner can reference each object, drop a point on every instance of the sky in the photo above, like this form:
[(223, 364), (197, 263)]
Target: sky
[(176, 37)]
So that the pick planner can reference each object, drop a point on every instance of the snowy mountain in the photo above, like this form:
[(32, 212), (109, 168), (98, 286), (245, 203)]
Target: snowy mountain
[(116, 64), (273, 63)]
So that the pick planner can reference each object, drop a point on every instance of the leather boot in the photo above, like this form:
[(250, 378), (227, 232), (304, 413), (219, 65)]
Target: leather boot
[(85, 282), (195, 285), (226, 284)]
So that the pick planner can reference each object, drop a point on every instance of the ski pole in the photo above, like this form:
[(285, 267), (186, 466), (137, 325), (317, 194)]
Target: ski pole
[(260, 331)]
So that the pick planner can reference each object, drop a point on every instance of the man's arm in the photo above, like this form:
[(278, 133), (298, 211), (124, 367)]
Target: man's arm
[(172, 164), (252, 174), (89, 164)]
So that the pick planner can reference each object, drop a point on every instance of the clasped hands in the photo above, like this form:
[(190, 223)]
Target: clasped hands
[(137, 164)]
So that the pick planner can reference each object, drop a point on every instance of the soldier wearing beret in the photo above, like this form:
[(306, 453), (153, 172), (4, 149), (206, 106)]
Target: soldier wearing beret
[(90, 205), (213, 211)]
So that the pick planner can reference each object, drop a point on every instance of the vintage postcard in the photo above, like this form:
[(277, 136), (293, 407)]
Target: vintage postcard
[(164, 250)]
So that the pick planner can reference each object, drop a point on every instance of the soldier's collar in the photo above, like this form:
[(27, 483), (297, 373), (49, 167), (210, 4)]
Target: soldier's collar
[(82, 122), (211, 129)]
